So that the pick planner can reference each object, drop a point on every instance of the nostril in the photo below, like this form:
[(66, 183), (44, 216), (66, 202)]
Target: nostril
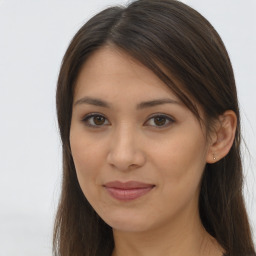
[(133, 166)]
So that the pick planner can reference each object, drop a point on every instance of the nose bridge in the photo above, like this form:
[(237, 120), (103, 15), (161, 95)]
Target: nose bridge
[(124, 149)]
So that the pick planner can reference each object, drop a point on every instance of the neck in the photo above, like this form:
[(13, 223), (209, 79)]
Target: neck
[(179, 238)]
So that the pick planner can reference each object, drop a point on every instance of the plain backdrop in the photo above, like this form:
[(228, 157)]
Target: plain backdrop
[(34, 35)]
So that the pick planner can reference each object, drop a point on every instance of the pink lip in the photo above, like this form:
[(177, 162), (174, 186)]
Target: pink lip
[(126, 191)]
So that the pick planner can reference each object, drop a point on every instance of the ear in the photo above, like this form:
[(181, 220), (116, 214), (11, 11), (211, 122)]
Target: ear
[(223, 137)]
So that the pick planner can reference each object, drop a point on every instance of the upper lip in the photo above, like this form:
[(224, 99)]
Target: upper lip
[(127, 185)]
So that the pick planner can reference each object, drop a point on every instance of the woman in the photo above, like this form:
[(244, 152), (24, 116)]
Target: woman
[(149, 120)]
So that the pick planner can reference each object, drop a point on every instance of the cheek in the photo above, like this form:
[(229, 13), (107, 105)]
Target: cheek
[(88, 159), (181, 162), (180, 165), (85, 148)]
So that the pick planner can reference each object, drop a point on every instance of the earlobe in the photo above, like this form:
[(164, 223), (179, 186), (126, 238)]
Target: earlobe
[(224, 137)]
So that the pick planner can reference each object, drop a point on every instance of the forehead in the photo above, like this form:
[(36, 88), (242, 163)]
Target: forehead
[(110, 71)]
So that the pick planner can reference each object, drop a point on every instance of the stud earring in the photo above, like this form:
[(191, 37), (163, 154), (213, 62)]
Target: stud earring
[(214, 158)]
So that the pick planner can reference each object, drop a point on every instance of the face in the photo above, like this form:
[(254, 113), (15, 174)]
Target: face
[(139, 153)]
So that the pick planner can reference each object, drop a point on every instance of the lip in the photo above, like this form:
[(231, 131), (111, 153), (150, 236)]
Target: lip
[(127, 191)]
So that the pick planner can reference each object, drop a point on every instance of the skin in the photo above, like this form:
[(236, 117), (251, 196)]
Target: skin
[(129, 144)]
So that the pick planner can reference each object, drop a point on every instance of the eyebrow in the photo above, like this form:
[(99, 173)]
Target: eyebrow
[(142, 105)]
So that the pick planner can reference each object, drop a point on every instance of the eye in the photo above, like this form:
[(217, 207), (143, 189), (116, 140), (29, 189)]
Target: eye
[(95, 120), (160, 121)]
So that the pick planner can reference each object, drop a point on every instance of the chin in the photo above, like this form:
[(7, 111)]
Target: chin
[(126, 223), (128, 226)]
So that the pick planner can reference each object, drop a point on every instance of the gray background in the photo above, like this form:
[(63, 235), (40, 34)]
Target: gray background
[(33, 37)]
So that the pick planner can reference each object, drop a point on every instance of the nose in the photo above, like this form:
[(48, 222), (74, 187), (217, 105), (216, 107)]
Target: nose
[(125, 153)]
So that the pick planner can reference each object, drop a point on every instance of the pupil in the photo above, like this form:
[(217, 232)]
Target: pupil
[(160, 121), (99, 120)]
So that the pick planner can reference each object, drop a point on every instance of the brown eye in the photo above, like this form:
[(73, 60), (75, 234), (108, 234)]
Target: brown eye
[(99, 120), (160, 121), (95, 120)]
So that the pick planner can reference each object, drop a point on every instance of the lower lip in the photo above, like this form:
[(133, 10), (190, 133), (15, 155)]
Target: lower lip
[(128, 194)]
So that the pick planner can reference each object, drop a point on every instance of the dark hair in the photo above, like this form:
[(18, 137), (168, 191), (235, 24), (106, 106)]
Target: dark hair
[(169, 34)]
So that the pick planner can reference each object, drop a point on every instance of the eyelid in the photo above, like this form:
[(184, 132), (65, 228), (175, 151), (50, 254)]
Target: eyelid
[(90, 115), (168, 117)]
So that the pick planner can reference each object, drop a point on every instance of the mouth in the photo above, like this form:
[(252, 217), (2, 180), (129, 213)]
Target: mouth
[(127, 191)]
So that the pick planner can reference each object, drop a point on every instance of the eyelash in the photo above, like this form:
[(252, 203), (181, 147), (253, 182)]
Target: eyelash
[(168, 118)]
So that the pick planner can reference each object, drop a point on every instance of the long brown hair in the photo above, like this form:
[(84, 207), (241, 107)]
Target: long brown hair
[(169, 34)]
